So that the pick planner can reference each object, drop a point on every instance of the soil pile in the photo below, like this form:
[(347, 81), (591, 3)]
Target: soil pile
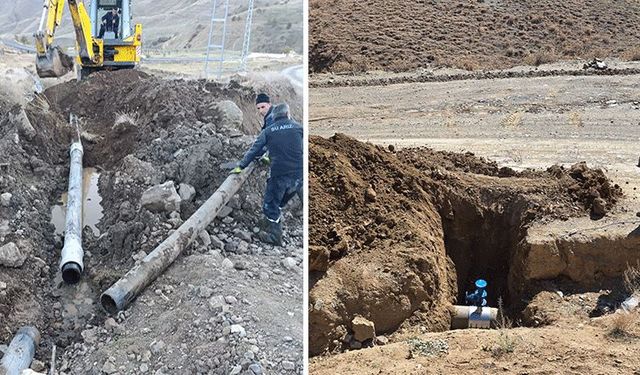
[(372, 35), (139, 131), (399, 236)]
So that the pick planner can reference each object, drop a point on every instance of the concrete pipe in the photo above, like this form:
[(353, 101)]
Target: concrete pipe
[(20, 352), (125, 290), (71, 263), (473, 317)]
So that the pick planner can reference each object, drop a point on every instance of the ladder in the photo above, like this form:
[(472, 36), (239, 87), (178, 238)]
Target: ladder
[(215, 45), (247, 37)]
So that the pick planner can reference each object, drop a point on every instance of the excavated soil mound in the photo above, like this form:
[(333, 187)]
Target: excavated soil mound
[(137, 131), (488, 34), (155, 106), (399, 236)]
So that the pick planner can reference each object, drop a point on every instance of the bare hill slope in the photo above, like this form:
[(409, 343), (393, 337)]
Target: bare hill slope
[(350, 35), (179, 24)]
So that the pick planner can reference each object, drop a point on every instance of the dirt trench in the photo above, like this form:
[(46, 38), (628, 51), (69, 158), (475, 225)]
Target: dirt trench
[(400, 236), (137, 131)]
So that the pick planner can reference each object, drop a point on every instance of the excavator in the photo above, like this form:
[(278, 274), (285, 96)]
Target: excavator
[(115, 49)]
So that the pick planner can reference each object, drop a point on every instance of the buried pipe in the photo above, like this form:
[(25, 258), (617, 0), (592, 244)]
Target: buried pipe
[(21, 350), (125, 290), (71, 263), (631, 303), (473, 317)]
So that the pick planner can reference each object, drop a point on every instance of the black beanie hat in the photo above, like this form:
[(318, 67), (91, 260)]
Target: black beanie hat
[(262, 98)]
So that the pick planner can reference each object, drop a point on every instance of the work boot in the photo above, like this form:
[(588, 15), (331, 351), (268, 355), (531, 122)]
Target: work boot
[(272, 234), (263, 224)]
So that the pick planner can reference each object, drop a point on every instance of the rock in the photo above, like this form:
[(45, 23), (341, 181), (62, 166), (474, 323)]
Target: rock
[(370, 194), (289, 263), (156, 347), (37, 365), (144, 368), (186, 191), (240, 265), (109, 367), (216, 242), (161, 198), (231, 300), (227, 220), (5, 199), (318, 258), (140, 255), (226, 113), (205, 238), (255, 368), (11, 256), (25, 129), (141, 171), (237, 328), (110, 324), (243, 247), (236, 370), (204, 292), (243, 235), (4, 228), (599, 207), (3, 285), (231, 247), (363, 329), (288, 365), (227, 263), (217, 304), (382, 340), (90, 336), (224, 212)]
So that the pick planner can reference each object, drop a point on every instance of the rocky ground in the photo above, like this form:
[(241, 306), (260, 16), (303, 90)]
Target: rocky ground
[(229, 304)]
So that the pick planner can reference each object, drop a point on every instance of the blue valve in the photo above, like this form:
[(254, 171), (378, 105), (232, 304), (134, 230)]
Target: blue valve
[(479, 296)]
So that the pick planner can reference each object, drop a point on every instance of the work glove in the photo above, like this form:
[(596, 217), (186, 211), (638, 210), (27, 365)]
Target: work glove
[(265, 160), (236, 170)]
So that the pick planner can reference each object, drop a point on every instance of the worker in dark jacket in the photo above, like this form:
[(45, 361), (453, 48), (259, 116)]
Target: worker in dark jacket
[(263, 104), (110, 22), (283, 140)]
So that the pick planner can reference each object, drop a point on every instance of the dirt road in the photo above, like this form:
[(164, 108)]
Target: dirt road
[(519, 122)]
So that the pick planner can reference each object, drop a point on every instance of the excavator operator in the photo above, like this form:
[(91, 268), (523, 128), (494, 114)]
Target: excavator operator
[(110, 22)]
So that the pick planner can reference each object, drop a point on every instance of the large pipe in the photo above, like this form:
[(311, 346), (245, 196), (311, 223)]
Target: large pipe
[(21, 350), (125, 290), (473, 317), (71, 263)]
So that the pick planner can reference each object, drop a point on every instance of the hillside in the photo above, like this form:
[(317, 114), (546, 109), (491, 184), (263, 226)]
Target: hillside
[(180, 24), (349, 35)]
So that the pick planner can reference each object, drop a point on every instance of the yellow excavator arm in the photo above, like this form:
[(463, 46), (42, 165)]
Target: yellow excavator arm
[(51, 61)]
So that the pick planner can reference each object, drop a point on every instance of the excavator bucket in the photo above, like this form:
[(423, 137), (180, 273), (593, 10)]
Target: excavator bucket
[(54, 64)]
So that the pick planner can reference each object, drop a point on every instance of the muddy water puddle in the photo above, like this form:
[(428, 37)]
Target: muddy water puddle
[(91, 207), (76, 306)]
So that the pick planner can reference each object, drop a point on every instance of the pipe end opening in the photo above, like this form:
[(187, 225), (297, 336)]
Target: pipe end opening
[(109, 304), (71, 273)]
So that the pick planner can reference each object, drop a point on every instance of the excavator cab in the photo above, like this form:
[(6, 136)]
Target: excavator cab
[(101, 8), (114, 49)]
